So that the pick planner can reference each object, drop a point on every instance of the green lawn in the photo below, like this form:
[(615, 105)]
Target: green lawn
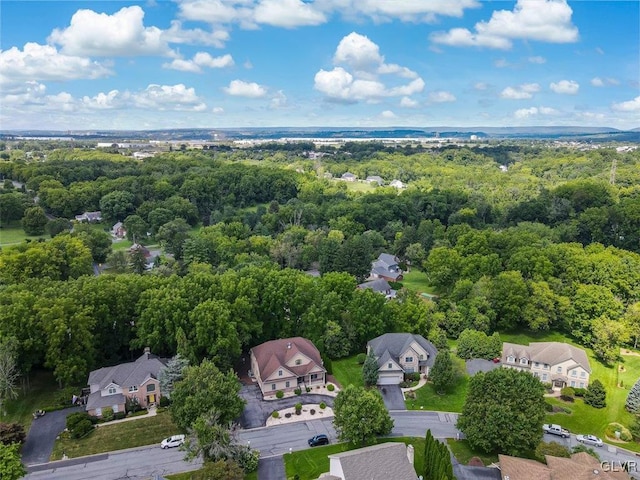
[(347, 371), (39, 394), (123, 244), (189, 476), (13, 234), (463, 452), (453, 401), (417, 282), (144, 431), (311, 463)]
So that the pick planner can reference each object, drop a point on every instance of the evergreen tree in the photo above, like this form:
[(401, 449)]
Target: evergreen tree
[(370, 370), (633, 399), (171, 374), (443, 373), (596, 395)]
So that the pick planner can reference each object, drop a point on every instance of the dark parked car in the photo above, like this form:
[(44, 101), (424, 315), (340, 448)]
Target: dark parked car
[(318, 440)]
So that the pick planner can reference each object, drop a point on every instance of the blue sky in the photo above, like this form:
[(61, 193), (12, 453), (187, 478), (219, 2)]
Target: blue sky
[(350, 63)]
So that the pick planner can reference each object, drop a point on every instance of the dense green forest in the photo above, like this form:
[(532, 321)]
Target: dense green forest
[(550, 241)]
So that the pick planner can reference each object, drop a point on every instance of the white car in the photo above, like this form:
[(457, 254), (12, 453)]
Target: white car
[(589, 440), (173, 441)]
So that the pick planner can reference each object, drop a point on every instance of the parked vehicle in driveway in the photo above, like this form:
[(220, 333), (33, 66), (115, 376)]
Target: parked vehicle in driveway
[(173, 441), (554, 429), (321, 439), (589, 440)]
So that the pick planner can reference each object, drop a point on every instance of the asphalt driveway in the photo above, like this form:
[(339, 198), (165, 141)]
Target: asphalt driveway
[(257, 410), (271, 468), (43, 432), (392, 396)]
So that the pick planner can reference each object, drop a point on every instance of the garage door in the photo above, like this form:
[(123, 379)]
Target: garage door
[(390, 379)]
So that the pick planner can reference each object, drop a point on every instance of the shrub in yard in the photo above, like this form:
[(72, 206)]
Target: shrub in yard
[(312, 411), (119, 415), (297, 391), (275, 415), (579, 392), (12, 433), (75, 418), (331, 387), (612, 428), (412, 377), (567, 392), (248, 459), (279, 394), (552, 448), (596, 395), (548, 407), (164, 401), (298, 408), (64, 396), (107, 414), (307, 389), (323, 405), (405, 384), (634, 428), (132, 405), (81, 429), (361, 358), (410, 394)]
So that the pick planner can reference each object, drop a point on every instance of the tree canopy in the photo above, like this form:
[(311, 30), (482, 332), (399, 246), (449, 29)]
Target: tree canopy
[(360, 415)]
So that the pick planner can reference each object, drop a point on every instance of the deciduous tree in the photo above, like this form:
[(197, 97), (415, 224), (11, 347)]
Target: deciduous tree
[(443, 373), (34, 221), (11, 468), (360, 415)]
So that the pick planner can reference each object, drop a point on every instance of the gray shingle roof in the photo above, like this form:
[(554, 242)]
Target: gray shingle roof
[(129, 374), (379, 462), (96, 400), (394, 344), (550, 353), (379, 285)]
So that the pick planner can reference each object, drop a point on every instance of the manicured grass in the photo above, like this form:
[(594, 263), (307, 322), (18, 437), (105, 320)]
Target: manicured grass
[(453, 401), (311, 463), (417, 282), (14, 234), (348, 371), (190, 476), (39, 394), (121, 244), (136, 433), (463, 452), (360, 186), (584, 418)]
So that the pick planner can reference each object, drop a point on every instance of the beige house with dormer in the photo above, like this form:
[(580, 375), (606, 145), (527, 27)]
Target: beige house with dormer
[(560, 364), (286, 364)]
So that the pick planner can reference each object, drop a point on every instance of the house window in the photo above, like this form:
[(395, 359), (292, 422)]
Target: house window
[(574, 373), (573, 383), (298, 361), (273, 386), (421, 357), (546, 366), (536, 374), (536, 364), (287, 384), (544, 377), (408, 359), (581, 384), (409, 369), (112, 390), (389, 365), (133, 388), (151, 387), (511, 359), (115, 408), (583, 374), (559, 370), (314, 376), (279, 373), (524, 361)]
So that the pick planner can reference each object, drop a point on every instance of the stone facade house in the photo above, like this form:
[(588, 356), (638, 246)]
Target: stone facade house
[(400, 353), (287, 364), (112, 386)]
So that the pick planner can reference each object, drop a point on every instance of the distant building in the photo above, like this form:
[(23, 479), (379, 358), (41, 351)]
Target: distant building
[(349, 177), (386, 266), (375, 179), (379, 285), (397, 184), (118, 230), (89, 217)]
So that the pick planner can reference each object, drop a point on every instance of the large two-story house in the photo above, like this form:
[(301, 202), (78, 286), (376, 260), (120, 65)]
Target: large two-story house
[(112, 386), (400, 353), (287, 364), (560, 364), (386, 266)]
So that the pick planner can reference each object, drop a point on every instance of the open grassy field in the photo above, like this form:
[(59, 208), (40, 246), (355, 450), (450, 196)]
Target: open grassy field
[(309, 464), (13, 234), (417, 282), (428, 399), (136, 433), (348, 371), (463, 452), (38, 394)]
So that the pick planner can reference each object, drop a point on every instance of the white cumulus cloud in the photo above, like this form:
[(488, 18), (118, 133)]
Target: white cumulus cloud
[(533, 111), (37, 62), (604, 82), (441, 97), (565, 87), (168, 97), (537, 59), (388, 114), (540, 20), (520, 92), (239, 88), (408, 102), (287, 13), (101, 35), (356, 76), (199, 60), (628, 106)]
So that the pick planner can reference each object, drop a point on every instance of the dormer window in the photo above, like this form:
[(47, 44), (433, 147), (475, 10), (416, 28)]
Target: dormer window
[(112, 390), (389, 365), (524, 361), (511, 359), (279, 373), (298, 361), (559, 370)]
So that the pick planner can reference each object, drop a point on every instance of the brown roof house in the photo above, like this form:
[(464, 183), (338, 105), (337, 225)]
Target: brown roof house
[(558, 363), (386, 461), (581, 466), (112, 386), (287, 364)]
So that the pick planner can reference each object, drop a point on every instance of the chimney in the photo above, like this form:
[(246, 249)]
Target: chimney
[(288, 345), (147, 351), (410, 454)]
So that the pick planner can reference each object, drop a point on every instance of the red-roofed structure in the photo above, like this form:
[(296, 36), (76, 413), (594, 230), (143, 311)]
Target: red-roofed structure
[(287, 364)]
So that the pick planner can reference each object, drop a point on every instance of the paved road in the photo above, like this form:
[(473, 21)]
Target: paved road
[(42, 435), (144, 462)]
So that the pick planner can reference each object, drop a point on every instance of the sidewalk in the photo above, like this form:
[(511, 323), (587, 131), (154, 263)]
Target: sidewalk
[(152, 413), (421, 383)]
